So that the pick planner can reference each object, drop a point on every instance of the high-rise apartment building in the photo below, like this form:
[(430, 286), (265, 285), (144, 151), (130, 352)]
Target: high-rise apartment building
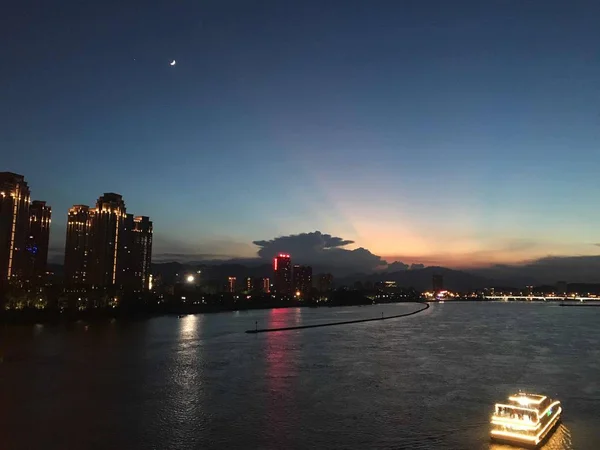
[(14, 226), (231, 284), (302, 279), (40, 216), (142, 252), (282, 274), (24, 232), (262, 285), (249, 284), (78, 245), (135, 249), (107, 247), (107, 225), (266, 285)]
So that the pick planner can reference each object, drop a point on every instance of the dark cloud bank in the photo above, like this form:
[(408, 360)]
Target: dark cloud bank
[(328, 253), (323, 250)]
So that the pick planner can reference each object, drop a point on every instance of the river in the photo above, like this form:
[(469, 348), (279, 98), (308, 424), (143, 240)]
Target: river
[(428, 381)]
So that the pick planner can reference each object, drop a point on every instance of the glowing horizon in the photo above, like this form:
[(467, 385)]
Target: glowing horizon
[(433, 135)]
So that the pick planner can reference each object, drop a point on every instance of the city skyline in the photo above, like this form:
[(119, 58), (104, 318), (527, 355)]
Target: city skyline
[(326, 251), (106, 249), (424, 133)]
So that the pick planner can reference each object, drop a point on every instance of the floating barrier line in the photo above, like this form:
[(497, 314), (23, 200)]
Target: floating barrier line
[(331, 324)]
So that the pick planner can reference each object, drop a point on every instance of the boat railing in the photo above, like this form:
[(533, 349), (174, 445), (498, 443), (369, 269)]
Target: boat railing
[(517, 413)]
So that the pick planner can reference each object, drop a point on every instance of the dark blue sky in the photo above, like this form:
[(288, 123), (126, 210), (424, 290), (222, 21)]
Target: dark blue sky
[(451, 132)]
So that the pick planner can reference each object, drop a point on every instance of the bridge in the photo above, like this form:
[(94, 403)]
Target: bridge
[(538, 298)]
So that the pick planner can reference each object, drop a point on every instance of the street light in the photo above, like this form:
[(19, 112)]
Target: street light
[(190, 278)]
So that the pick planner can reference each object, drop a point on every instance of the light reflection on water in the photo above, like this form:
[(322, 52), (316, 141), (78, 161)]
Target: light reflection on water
[(188, 326), (281, 375), (560, 440), (427, 381)]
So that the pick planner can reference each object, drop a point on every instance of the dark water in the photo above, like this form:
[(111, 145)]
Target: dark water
[(427, 381)]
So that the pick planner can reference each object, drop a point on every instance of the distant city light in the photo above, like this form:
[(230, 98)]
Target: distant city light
[(190, 278)]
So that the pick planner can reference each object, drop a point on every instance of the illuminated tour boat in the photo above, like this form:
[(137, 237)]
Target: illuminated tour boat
[(525, 420)]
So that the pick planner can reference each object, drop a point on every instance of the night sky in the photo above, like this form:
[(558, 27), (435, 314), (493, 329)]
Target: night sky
[(444, 132)]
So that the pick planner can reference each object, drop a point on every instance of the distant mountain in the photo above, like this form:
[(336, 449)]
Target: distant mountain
[(512, 276), (549, 270), (421, 279), (545, 271), (169, 271), (220, 270)]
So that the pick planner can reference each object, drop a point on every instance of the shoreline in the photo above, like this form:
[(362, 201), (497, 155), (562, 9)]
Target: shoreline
[(26, 318)]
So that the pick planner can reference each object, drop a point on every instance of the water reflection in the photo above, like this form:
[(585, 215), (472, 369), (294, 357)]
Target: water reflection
[(281, 374), (426, 382), (284, 317), (560, 440), (185, 383), (188, 326)]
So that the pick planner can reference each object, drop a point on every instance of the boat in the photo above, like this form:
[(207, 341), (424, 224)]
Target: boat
[(525, 420)]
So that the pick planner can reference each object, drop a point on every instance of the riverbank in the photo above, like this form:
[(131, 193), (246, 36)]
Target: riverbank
[(143, 312)]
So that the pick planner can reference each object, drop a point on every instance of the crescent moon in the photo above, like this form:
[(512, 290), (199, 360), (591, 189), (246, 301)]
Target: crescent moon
[(173, 62)]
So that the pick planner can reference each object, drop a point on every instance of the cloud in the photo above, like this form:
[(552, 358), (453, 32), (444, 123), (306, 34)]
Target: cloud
[(397, 266), (315, 240), (321, 250)]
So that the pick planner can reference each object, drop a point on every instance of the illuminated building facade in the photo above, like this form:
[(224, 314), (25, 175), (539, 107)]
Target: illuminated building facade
[(262, 285), (282, 274), (325, 283), (107, 247), (266, 285), (78, 245), (107, 224), (142, 251), (40, 216), (302, 279), (390, 286), (248, 284), (134, 254), (14, 227), (231, 284)]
